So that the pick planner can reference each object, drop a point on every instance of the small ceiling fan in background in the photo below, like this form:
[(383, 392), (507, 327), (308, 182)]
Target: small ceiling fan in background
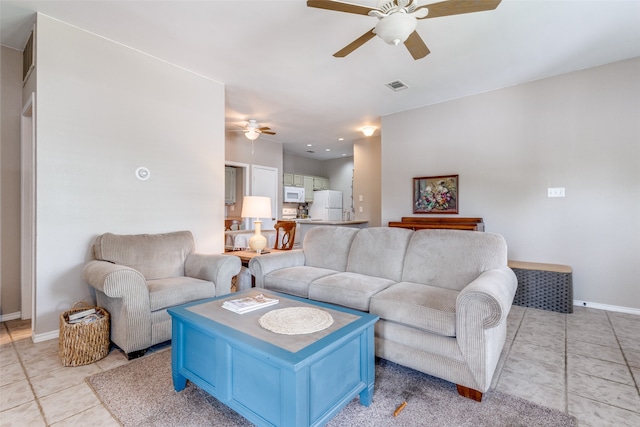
[(397, 20), (252, 130)]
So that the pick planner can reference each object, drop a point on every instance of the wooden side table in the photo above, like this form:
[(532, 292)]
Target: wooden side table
[(245, 257)]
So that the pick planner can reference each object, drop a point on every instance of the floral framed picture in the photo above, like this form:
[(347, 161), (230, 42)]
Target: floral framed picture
[(435, 194)]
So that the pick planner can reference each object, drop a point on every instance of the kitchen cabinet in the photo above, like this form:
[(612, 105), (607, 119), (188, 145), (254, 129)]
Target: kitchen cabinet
[(308, 189), (287, 179), (320, 183), (298, 180), (229, 185)]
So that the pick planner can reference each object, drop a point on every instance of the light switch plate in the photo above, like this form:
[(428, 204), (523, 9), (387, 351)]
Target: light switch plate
[(555, 192)]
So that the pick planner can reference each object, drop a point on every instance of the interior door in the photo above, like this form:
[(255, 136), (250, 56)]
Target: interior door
[(265, 183)]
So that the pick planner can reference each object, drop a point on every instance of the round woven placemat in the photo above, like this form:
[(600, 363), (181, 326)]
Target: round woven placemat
[(296, 320)]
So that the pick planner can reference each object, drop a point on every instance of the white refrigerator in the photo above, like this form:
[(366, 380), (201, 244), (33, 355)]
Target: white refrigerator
[(326, 206)]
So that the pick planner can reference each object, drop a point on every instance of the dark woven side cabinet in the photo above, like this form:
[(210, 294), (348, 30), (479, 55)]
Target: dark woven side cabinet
[(543, 286)]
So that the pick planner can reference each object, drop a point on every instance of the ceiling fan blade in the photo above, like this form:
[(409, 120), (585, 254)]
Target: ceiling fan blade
[(355, 44), (263, 128), (458, 7), (340, 7), (268, 132), (416, 46)]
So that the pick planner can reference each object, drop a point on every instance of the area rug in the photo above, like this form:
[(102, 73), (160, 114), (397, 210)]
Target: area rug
[(141, 394)]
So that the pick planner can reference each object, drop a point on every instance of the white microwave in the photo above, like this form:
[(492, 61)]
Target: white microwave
[(293, 195)]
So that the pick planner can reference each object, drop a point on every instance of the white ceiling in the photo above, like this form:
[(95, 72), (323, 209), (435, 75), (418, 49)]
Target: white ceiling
[(275, 57)]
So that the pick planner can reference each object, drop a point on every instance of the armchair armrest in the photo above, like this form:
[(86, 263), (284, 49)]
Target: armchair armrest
[(215, 268), (115, 281), (260, 266)]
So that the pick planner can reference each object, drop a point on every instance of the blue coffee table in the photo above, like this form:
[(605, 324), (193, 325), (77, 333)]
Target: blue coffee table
[(273, 379)]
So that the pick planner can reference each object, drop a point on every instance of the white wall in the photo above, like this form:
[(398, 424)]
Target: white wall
[(340, 174), (102, 111), (579, 131), (11, 106), (367, 180)]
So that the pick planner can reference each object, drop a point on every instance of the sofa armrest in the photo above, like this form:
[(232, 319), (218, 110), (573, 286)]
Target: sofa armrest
[(216, 268), (481, 316), (260, 266), (115, 281), (489, 296)]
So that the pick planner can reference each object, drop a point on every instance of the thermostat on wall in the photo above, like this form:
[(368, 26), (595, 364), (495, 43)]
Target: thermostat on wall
[(143, 173)]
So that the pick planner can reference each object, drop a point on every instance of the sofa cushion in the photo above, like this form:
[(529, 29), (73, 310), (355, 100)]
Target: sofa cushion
[(154, 255), (328, 247), (452, 258), (294, 280), (348, 289), (421, 306), (171, 291), (379, 252)]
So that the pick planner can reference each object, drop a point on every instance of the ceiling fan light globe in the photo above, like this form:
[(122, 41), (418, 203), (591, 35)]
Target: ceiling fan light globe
[(396, 28), (252, 134)]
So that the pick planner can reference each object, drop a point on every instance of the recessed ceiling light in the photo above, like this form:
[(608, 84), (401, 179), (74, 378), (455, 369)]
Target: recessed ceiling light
[(344, 154), (340, 139), (327, 149), (309, 145)]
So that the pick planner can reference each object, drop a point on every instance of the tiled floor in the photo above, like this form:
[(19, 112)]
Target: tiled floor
[(586, 363)]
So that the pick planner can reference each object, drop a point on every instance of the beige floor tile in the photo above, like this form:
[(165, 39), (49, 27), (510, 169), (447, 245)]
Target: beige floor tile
[(70, 401), (592, 413), (554, 340), (602, 390), (521, 387), (544, 355), (96, 416), (633, 357), (534, 373), (60, 379), (28, 350), (42, 364), (5, 338), (27, 414), (20, 330), (114, 359), (12, 373), (8, 355), (597, 351), (629, 343), (14, 394), (600, 335), (592, 313), (599, 368), (636, 376)]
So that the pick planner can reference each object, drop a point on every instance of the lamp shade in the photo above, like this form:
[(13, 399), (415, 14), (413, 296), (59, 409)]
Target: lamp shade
[(256, 207)]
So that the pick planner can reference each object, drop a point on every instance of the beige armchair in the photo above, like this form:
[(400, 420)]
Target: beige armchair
[(137, 277)]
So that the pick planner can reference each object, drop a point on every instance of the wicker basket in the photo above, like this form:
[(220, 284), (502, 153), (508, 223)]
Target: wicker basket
[(81, 344)]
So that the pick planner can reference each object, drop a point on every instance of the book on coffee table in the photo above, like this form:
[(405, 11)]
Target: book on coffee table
[(246, 304)]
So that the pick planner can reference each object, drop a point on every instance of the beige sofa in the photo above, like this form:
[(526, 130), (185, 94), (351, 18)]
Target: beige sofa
[(137, 277), (442, 295)]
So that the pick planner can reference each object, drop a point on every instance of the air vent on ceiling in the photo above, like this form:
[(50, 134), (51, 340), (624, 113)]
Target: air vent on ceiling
[(396, 86), (310, 151)]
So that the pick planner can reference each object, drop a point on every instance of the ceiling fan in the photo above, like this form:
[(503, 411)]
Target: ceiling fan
[(397, 20), (252, 130)]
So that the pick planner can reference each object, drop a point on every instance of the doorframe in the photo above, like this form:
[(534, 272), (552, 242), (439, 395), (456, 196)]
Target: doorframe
[(28, 209), (245, 190), (275, 208)]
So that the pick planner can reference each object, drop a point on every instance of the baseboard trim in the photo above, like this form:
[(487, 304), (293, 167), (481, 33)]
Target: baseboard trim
[(607, 307), (46, 336), (10, 316)]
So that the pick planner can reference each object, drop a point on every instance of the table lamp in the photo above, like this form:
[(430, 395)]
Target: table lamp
[(256, 207)]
